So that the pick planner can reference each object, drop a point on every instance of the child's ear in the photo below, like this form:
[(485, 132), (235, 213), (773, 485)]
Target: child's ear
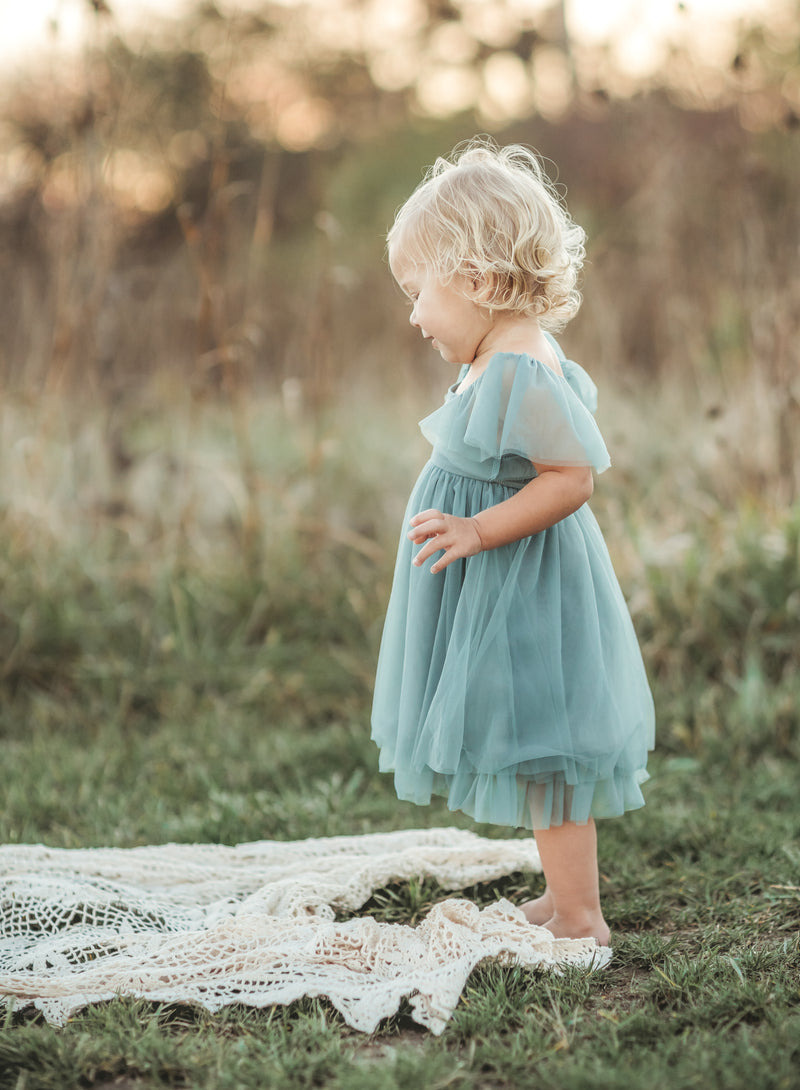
[(479, 285)]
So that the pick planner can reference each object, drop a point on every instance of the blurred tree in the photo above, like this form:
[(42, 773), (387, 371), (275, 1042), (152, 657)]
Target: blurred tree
[(175, 189)]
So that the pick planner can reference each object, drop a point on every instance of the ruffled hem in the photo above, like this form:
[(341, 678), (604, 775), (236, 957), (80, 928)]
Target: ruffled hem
[(520, 801)]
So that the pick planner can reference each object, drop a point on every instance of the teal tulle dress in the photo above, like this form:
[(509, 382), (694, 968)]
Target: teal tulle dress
[(512, 683)]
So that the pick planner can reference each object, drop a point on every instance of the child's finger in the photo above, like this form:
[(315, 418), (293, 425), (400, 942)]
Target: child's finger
[(451, 553), (442, 563), (428, 529), (432, 546), (423, 516), (449, 549)]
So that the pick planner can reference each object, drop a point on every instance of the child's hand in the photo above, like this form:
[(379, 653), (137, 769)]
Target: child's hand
[(458, 537)]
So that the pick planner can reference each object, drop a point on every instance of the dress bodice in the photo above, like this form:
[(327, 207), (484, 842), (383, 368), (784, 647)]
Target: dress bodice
[(517, 412)]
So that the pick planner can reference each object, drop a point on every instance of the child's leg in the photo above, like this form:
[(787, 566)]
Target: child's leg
[(569, 859)]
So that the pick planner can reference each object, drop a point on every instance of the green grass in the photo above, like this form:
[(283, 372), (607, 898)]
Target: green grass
[(167, 686), (700, 888)]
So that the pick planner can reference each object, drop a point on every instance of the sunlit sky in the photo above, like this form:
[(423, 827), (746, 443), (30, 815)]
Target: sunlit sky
[(638, 29)]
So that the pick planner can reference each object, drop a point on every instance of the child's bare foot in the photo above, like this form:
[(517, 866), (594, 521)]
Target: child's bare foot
[(540, 910), (588, 926)]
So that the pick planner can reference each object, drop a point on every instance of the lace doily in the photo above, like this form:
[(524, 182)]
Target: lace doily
[(255, 924)]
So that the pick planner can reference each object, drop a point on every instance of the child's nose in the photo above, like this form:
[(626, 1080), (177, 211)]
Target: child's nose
[(413, 317)]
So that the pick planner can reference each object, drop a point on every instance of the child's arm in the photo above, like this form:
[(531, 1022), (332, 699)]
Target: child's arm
[(556, 492)]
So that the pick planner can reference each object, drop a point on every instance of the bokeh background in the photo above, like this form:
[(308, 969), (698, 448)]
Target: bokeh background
[(210, 388)]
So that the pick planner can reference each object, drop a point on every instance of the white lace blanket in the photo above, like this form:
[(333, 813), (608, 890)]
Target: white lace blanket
[(255, 924)]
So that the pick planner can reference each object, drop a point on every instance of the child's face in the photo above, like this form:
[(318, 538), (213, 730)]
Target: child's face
[(445, 314)]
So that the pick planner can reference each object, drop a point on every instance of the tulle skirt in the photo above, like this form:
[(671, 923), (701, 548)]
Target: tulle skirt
[(512, 683)]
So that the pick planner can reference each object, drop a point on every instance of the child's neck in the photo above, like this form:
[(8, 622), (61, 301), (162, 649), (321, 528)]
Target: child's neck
[(514, 333)]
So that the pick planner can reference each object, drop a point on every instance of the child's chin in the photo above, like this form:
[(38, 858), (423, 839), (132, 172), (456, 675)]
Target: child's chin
[(445, 353)]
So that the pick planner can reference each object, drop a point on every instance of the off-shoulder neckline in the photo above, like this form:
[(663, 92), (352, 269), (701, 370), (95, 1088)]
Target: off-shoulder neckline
[(454, 391)]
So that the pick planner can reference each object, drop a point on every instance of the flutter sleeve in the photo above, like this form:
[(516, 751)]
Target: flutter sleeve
[(523, 407)]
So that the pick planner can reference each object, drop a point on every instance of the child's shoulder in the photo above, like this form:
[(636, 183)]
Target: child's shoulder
[(515, 372), (519, 405)]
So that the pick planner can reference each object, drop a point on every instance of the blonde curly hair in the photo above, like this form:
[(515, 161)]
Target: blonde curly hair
[(491, 212)]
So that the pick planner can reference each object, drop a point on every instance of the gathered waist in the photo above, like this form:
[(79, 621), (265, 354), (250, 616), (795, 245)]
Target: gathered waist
[(481, 472)]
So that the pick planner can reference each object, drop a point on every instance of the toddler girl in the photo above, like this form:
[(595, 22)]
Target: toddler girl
[(509, 679)]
